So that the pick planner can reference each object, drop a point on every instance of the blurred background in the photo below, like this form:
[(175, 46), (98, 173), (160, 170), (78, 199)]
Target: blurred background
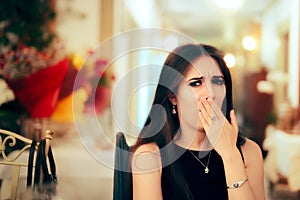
[(46, 44)]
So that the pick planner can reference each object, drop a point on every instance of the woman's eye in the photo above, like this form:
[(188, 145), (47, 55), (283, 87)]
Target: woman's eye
[(196, 83), (218, 81)]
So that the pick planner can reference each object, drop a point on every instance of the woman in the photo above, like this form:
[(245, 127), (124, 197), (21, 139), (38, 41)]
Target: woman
[(190, 146)]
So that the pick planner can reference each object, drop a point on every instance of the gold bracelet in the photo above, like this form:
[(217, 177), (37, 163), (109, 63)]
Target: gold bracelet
[(237, 184)]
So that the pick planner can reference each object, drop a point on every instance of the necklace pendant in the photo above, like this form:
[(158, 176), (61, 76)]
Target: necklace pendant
[(206, 170)]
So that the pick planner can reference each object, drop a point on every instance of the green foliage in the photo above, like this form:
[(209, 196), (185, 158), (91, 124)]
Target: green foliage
[(26, 22)]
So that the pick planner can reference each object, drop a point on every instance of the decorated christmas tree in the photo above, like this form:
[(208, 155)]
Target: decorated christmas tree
[(27, 22)]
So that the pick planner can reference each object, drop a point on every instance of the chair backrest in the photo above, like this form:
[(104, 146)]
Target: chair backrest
[(9, 140), (122, 172)]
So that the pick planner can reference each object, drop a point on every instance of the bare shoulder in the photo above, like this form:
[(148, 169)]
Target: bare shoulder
[(146, 159), (251, 152), (149, 147), (254, 167), (146, 172)]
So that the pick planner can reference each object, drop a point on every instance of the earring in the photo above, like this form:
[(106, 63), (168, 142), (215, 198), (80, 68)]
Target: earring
[(174, 110)]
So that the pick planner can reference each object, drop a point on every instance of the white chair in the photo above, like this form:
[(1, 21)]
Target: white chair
[(10, 139)]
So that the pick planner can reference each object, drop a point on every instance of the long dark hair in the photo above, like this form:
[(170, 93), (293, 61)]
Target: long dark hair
[(161, 125)]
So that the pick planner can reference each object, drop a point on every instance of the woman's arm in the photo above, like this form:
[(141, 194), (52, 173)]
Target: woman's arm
[(245, 181), (249, 172), (254, 168), (146, 173), (236, 170)]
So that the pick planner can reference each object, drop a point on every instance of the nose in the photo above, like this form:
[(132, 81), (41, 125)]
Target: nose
[(209, 93)]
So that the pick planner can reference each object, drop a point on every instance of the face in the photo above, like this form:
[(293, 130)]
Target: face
[(203, 80)]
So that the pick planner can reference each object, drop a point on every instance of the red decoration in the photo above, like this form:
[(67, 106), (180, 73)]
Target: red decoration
[(39, 92)]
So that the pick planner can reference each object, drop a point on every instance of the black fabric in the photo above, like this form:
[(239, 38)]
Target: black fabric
[(122, 172), (42, 166), (241, 152), (203, 186), (30, 163), (44, 181)]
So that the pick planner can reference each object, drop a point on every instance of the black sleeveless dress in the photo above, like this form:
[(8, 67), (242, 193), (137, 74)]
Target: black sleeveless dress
[(204, 186)]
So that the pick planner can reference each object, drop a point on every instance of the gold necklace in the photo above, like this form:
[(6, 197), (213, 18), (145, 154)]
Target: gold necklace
[(206, 170)]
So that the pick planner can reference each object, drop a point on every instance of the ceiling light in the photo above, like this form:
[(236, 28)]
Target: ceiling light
[(249, 43), (230, 60), (265, 87)]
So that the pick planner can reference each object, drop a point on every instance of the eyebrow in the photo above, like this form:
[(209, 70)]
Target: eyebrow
[(196, 79), (219, 76), (200, 78)]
